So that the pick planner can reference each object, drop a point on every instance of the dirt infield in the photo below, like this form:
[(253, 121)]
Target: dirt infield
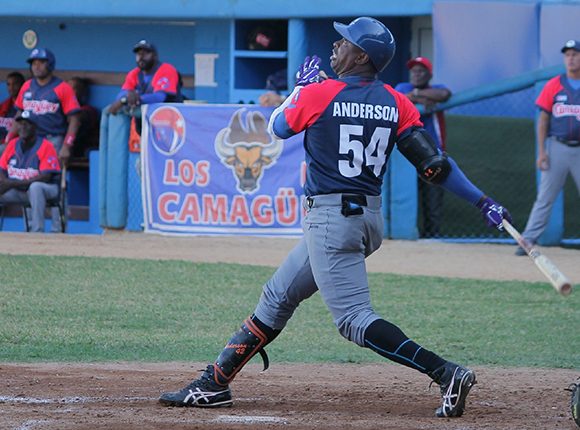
[(288, 396)]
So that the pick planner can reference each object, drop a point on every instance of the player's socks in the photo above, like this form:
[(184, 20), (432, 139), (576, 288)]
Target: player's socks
[(389, 341)]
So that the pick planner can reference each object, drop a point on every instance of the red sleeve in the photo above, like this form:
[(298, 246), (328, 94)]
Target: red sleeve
[(5, 106), (23, 89), (67, 97), (131, 80), (408, 114), (7, 154), (165, 79), (48, 158), (310, 102), (545, 100)]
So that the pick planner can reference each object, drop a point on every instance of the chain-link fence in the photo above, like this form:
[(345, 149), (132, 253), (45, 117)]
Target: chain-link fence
[(493, 141)]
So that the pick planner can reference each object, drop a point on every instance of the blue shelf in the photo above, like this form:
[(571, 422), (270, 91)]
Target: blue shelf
[(261, 54), (251, 68)]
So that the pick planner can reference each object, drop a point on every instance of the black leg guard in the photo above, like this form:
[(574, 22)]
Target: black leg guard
[(248, 341)]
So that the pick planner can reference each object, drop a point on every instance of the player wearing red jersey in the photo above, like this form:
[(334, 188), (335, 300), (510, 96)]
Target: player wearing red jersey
[(29, 170)]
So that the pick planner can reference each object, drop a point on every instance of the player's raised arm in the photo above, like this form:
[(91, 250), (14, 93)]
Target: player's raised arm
[(308, 73), (436, 167)]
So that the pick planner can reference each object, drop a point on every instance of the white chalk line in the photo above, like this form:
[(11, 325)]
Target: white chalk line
[(249, 419), (70, 400)]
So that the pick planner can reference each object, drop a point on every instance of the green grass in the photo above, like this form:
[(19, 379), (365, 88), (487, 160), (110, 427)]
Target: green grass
[(95, 309)]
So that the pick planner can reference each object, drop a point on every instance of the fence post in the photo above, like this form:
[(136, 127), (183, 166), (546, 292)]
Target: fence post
[(403, 198)]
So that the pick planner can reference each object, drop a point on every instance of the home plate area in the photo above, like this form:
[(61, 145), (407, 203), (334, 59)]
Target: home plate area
[(123, 396)]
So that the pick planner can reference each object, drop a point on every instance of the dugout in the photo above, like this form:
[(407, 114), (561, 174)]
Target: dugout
[(209, 44)]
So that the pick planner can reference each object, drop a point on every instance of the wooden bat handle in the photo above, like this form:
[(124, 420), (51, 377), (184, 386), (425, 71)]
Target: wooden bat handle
[(558, 280)]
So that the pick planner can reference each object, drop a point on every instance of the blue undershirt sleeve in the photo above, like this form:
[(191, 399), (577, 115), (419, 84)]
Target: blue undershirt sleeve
[(281, 127), (156, 97), (121, 94), (459, 185)]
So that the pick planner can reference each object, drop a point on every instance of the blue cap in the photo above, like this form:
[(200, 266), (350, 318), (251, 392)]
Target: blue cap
[(144, 44), (26, 115), (571, 44), (42, 54)]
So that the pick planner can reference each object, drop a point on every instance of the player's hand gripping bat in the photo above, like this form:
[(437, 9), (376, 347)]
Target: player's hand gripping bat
[(558, 280)]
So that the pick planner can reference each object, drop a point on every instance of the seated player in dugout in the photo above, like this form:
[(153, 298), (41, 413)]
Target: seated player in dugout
[(29, 170), (150, 82), (52, 102), (353, 124)]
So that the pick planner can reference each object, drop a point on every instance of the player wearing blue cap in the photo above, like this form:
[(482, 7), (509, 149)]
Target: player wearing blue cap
[(29, 170), (351, 125), (558, 135)]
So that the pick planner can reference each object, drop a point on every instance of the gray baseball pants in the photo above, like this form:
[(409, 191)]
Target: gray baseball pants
[(57, 141), (563, 160), (330, 258), (36, 195)]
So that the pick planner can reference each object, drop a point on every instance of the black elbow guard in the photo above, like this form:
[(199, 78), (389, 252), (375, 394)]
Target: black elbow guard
[(421, 151)]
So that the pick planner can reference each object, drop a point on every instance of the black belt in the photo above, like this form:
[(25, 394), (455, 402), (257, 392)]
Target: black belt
[(567, 142), (355, 199)]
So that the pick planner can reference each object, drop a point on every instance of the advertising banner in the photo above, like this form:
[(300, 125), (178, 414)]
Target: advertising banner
[(215, 170)]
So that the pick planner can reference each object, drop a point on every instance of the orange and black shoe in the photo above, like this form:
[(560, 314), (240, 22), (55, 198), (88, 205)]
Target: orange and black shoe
[(201, 393)]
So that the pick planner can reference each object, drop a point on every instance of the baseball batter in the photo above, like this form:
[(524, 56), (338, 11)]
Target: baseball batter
[(352, 125)]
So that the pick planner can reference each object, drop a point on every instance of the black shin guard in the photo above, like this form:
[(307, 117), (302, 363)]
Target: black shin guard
[(389, 341), (248, 341)]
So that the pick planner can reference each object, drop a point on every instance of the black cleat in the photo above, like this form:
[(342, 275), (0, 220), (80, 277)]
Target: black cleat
[(201, 393), (455, 382)]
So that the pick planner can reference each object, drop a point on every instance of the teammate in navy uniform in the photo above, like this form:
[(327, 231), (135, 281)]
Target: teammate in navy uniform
[(54, 108), (150, 82), (352, 125), (558, 140), (51, 102), (29, 170)]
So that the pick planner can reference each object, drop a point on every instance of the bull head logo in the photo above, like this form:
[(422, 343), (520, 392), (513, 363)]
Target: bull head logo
[(247, 148)]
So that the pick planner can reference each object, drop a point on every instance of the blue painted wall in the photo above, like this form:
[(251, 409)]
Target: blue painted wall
[(107, 47), (203, 9), (559, 22), (478, 42)]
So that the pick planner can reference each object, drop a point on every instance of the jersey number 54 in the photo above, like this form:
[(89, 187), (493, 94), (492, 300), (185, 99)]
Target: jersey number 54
[(375, 154)]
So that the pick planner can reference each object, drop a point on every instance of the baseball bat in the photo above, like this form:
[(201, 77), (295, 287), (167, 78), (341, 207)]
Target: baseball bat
[(558, 280)]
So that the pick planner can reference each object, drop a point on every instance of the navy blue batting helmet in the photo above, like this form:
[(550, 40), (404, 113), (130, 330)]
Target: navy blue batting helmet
[(373, 37), (42, 54)]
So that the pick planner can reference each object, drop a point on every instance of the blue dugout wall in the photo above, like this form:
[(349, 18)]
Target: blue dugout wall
[(476, 42)]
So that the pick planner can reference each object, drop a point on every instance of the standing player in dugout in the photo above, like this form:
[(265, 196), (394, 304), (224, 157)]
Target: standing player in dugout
[(352, 124)]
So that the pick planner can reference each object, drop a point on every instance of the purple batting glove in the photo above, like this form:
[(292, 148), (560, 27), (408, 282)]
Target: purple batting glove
[(308, 73), (493, 213)]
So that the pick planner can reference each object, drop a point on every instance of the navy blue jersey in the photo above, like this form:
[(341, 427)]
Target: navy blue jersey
[(23, 165), (48, 104), (351, 126), (562, 102)]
